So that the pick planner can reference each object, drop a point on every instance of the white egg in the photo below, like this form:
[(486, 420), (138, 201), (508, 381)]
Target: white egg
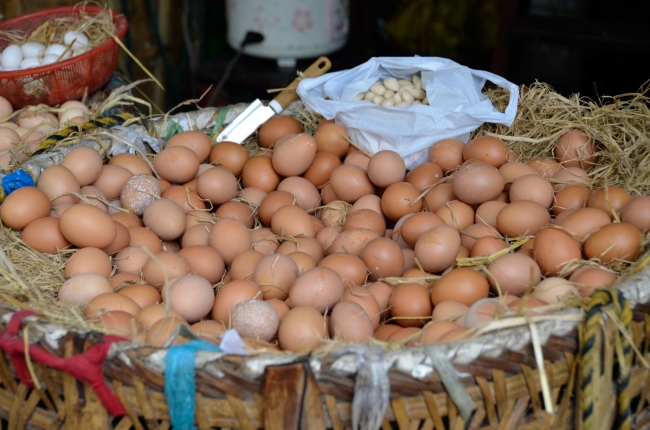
[(49, 59), (12, 56), (30, 62), (80, 42), (56, 49), (32, 49)]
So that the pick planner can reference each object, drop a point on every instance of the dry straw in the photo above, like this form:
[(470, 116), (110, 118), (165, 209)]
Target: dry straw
[(620, 126)]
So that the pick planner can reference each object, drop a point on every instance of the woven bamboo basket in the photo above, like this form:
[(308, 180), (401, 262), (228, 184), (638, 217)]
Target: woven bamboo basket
[(570, 370)]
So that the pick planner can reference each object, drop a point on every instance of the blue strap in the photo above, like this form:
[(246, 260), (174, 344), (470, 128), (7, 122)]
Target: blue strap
[(18, 179), (180, 388)]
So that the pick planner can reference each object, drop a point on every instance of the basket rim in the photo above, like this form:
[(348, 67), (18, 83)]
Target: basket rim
[(121, 24)]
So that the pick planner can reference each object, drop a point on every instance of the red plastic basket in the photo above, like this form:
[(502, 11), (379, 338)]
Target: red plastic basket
[(64, 80)]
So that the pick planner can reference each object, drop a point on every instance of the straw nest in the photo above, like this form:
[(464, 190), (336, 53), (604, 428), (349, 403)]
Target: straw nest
[(29, 279)]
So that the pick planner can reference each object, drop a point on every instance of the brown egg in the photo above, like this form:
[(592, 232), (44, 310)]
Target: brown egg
[(331, 138), (471, 234), (112, 179), (584, 221), (527, 248), (55, 181), (447, 153), (264, 241), (366, 218), (191, 296), (402, 335), (163, 184), (320, 287), (244, 264), (513, 274), (230, 155), (231, 294), (259, 173), (93, 196), (553, 290), (56, 210), (568, 176), (302, 260), (327, 196), (409, 301), (135, 164), (350, 322), (462, 252), (177, 164), (304, 192), (637, 213), (381, 292), (277, 127), (486, 246), (364, 298), (534, 188), (230, 237), (433, 331), (293, 154), (399, 199), (463, 285), (477, 183), (187, 199), (162, 267), (424, 175), (237, 210), (165, 218), (484, 311), (546, 166), (609, 199), (553, 249), (204, 261), (588, 279), (208, 329), (23, 206), (437, 248), (141, 236), (144, 295), (487, 213), (81, 289), (88, 260), (514, 170), (196, 235), (438, 196), (522, 218), (127, 219), (350, 183), (571, 197), (121, 279), (357, 158), (384, 331), (117, 322), (131, 259), (151, 314), (171, 246), (383, 258), (450, 310), (457, 214), (271, 203), (352, 241), (302, 329), (414, 226), (217, 185), (321, 168), (275, 274), (280, 308), (292, 221), (487, 148), (198, 142), (576, 149), (197, 217), (327, 235), (335, 213), (85, 225), (617, 241), (111, 302), (385, 168), (350, 268), (85, 163), (162, 330), (251, 196)]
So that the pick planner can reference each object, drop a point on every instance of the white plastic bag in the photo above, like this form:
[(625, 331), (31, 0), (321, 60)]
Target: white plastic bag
[(457, 106)]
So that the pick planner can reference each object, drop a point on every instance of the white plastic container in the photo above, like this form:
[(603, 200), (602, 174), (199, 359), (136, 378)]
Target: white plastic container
[(292, 29)]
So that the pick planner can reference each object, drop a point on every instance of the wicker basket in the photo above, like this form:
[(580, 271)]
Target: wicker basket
[(490, 382)]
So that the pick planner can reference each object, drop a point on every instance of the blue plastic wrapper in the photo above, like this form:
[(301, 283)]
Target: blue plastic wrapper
[(15, 180)]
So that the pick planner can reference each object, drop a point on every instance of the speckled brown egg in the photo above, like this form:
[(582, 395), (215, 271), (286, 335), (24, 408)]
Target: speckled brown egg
[(447, 153), (255, 319), (293, 154), (138, 192), (81, 289), (478, 183), (487, 148), (276, 127)]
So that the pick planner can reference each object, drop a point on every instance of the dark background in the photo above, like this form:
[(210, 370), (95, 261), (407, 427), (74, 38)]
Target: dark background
[(592, 47)]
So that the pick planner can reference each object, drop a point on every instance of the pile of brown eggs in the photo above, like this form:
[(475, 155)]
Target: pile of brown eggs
[(310, 239)]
